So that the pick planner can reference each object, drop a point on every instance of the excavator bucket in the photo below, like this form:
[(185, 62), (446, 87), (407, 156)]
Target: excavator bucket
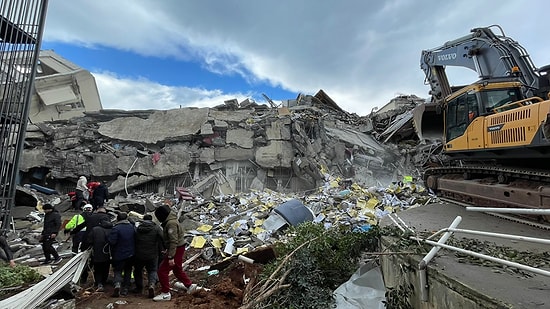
[(428, 121)]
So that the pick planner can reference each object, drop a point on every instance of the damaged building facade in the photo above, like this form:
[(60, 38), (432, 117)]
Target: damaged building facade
[(62, 89), (234, 147)]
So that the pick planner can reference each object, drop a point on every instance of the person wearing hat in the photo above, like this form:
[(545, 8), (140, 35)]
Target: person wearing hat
[(101, 253), (100, 195), (92, 221), (172, 234), (76, 227), (121, 239), (148, 245), (52, 224)]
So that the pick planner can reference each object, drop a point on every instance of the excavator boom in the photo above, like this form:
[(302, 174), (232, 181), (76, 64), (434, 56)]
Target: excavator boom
[(496, 130)]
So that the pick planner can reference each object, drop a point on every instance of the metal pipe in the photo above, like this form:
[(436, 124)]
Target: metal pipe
[(524, 211), (423, 279), (396, 223), (126, 178), (403, 222), (500, 235), (423, 282), (426, 259), (487, 257)]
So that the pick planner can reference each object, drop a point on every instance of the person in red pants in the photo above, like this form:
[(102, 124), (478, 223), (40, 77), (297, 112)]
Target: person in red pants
[(174, 243)]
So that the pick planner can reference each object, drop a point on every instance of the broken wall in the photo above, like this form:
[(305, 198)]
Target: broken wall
[(254, 147)]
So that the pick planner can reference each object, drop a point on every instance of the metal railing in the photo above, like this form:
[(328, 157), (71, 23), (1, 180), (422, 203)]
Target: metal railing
[(447, 233), (21, 26)]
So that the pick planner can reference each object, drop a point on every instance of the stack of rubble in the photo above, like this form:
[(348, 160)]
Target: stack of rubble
[(239, 162), (243, 146), (233, 224)]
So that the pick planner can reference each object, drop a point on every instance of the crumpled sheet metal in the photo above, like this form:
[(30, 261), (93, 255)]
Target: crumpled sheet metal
[(40, 292)]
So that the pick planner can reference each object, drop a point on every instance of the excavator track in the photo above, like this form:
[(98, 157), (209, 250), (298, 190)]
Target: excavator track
[(493, 186)]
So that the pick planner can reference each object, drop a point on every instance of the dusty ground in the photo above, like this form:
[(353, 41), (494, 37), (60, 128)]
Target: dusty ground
[(226, 292)]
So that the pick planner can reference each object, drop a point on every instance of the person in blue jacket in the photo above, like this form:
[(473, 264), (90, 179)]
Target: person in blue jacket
[(121, 240)]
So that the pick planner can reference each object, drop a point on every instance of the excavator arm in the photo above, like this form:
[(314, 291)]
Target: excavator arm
[(488, 54)]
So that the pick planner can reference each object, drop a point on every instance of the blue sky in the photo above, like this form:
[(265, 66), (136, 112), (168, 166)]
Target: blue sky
[(170, 53), (167, 70)]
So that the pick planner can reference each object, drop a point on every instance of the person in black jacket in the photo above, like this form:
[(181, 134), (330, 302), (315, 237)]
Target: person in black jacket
[(149, 244), (100, 195), (52, 224), (92, 221), (101, 253)]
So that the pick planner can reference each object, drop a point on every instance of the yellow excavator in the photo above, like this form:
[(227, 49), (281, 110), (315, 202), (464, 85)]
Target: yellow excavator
[(495, 131)]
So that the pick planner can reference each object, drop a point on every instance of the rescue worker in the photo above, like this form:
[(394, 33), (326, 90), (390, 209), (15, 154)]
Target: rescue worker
[(121, 239), (100, 195), (76, 227), (8, 254), (101, 253), (148, 245)]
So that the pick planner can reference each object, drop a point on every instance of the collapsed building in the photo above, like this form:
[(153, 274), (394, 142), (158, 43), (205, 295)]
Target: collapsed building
[(234, 147), (296, 147)]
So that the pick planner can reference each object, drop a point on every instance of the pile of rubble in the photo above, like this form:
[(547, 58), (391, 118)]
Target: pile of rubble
[(237, 174), (227, 225), (235, 147), (238, 161)]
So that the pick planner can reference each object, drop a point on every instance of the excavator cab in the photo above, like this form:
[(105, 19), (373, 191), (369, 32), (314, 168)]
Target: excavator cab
[(462, 107), (493, 100)]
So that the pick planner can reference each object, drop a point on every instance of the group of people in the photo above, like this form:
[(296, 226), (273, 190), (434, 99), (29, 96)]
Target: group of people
[(128, 245), (131, 246), (94, 193)]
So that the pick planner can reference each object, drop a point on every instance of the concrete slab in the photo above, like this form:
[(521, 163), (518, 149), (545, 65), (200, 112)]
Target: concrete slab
[(515, 290)]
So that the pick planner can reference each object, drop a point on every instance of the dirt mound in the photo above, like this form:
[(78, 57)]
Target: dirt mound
[(226, 290)]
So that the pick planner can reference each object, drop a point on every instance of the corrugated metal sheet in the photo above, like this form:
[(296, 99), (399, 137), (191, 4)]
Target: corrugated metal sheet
[(40, 292)]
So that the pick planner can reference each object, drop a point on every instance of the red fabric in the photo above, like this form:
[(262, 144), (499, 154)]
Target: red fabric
[(165, 268), (156, 158), (183, 194), (92, 185)]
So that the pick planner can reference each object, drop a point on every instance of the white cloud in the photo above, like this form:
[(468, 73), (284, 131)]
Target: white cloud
[(362, 53), (130, 94)]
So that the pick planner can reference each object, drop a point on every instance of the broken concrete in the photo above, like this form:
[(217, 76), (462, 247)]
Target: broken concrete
[(288, 146), (162, 126)]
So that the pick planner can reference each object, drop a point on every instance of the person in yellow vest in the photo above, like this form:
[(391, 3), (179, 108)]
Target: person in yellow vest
[(76, 227)]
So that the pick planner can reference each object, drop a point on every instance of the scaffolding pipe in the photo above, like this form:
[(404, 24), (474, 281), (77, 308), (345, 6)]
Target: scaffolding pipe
[(403, 222), (396, 223), (498, 235), (523, 211), (422, 266), (426, 259), (486, 257), (126, 178)]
